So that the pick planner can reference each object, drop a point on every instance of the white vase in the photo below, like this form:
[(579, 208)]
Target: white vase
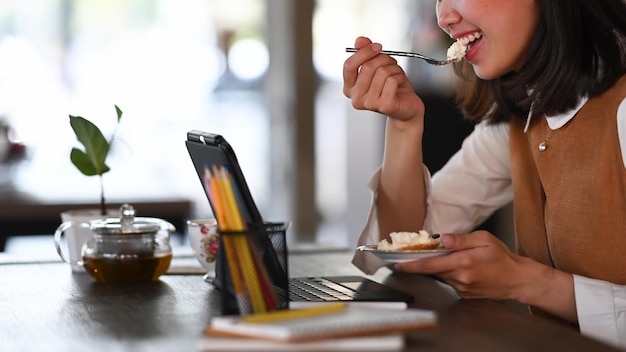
[(75, 226)]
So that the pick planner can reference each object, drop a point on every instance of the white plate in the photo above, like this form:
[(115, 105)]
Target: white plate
[(404, 256)]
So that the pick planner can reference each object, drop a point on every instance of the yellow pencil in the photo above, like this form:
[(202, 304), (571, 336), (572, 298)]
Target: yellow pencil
[(240, 252), (243, 301), (231, 203), (287, 314), (229, 223), (218, 202), (251, 279)]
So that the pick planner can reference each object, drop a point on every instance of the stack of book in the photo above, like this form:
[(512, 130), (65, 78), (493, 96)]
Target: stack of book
[(331, 327)]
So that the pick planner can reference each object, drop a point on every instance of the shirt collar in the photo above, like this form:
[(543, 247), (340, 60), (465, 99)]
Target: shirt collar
[(557, 121)]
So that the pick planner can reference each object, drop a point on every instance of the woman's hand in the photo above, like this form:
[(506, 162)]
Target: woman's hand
[(374, 81), (483, 267)]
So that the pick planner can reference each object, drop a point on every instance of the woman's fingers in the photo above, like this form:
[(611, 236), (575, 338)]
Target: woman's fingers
[(466, 241), (376, 82), (430, 266), (469, 250), (352, 65), (361, 41)]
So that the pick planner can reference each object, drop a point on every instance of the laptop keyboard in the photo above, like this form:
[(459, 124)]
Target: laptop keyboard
[(318, 289)]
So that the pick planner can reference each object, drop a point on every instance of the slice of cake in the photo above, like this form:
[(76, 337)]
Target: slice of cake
[(409, 241), (457, 50)]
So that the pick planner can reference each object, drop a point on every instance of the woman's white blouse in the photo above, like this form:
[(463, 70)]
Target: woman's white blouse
[(473, 185)]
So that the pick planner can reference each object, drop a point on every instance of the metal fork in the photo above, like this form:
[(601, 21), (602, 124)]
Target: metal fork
[(413, 55)]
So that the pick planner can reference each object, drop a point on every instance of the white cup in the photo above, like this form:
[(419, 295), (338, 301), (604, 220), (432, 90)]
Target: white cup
[(204, 242), (75, 226)]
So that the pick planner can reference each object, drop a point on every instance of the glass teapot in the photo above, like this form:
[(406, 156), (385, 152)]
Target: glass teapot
[(125, 249)]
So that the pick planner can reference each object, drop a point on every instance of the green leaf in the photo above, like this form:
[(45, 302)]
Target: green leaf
[(119, 113), (82, 162), (91, 161)]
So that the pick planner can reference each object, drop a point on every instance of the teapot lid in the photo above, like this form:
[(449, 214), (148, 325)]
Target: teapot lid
[(127, 223)]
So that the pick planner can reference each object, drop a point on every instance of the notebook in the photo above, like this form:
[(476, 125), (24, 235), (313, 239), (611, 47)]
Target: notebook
[(329, 322), (212, 149)]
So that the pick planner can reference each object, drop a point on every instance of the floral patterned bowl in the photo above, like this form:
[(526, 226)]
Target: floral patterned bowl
[(204, 241)]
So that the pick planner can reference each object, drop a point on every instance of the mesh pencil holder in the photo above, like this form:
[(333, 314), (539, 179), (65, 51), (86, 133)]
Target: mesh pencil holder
[(251, 269)]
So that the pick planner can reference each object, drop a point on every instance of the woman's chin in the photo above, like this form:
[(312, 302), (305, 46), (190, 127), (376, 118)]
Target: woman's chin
[(486, 73)]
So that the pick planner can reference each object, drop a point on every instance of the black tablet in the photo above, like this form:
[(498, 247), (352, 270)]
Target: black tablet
[(207, 150)]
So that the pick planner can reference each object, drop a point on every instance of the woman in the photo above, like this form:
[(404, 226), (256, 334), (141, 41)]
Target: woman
[(546, 83)]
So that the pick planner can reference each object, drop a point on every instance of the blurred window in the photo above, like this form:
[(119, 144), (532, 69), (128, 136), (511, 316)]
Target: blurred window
[(167, 64), (177, 65)]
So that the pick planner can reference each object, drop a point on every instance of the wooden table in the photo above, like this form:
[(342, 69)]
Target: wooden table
[(43, 307)]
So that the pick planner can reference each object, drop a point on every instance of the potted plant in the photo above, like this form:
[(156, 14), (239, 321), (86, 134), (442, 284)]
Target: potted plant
[(92, 160)]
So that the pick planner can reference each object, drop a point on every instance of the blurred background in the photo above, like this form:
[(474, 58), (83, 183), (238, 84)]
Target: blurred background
[(266, 74)]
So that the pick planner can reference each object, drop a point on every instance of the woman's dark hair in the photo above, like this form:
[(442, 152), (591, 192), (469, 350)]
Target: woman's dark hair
[(579, 49)]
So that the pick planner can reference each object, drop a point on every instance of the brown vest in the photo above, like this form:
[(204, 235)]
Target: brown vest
[(570, 200)]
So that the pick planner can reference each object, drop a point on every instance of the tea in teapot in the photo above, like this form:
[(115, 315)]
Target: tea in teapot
[(125, 249)]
